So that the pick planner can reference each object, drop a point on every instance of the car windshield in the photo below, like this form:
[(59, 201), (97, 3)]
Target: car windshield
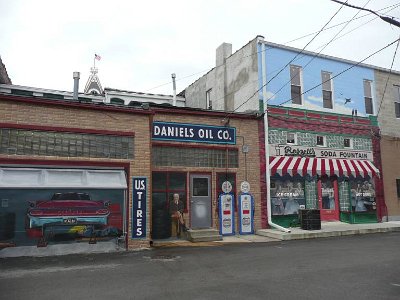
[(70, 196)]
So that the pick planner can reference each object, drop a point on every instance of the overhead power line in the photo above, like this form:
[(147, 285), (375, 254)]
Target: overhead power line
[(319, 52), (390, 8), (387, 80), (284, 67), (352, 66), (384, 18)]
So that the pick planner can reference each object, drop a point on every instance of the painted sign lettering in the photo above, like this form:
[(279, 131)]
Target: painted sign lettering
[(139, 195), (167, 131), (293, 150)]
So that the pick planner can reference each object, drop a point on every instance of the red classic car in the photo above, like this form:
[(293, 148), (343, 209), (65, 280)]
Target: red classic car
[(71, 212)]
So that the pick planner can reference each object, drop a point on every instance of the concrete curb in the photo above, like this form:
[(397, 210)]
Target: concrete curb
[(299, 234)]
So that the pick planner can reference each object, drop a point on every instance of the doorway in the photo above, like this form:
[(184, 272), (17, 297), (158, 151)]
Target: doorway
[(200, 201), (328, 198)]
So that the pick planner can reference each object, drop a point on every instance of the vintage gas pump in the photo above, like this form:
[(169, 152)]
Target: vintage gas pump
[(246, 210), (226, 210)]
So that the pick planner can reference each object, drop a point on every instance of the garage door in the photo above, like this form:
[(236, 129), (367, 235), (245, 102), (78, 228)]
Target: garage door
[(62, 205)]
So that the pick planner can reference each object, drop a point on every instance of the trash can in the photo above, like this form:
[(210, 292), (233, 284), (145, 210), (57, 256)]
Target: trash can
[(310, 219)]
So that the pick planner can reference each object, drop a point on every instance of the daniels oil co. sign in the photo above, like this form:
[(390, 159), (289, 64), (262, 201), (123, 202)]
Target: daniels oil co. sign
[(181, 132), (293, 150)]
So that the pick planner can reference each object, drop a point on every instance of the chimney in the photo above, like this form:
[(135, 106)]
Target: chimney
[(174, 87), (223, 52), (76, 84)]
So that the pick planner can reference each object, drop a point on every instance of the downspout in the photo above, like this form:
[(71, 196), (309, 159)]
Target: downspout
[(267, 175), (267, 171), (174, 89)]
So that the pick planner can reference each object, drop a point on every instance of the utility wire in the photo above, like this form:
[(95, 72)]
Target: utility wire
[(316, 55), (352, 66), (389, 20), (387, 80), (391, 7), (284, 67)]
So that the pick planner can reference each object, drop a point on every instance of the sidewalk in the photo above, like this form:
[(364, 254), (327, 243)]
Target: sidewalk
[(328, 229), (331, 229)]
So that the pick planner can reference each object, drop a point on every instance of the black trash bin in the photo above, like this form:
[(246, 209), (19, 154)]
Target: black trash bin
[(310, 219)]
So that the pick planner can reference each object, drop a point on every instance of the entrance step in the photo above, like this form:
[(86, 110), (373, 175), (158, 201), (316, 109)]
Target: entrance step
[(203, 235)]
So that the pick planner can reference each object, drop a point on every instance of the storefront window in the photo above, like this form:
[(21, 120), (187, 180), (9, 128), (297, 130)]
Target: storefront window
[(168, 183), (287, 196), (328, 194), (362, 195)]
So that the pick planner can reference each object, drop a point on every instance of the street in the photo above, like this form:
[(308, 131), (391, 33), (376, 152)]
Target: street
[(356, 267)]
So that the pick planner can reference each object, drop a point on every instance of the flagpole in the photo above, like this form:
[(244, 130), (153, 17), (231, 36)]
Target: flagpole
[(94, 62)]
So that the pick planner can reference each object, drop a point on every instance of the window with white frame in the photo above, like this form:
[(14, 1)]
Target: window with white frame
[(327, 89), (291, 138), (397, 100), (295, 84), (321, 141), (208, 99), (348, 143), (369, 109)]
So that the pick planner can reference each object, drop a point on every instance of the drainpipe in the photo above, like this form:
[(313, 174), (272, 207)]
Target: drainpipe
[(267, 171), (174, 87), (267, 174), (76, 76)]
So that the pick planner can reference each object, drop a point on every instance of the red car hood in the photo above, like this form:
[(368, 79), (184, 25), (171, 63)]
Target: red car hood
[(69, 208)]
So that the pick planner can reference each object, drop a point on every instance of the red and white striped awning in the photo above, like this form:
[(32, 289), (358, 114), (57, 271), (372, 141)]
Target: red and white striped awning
[(293, 165)]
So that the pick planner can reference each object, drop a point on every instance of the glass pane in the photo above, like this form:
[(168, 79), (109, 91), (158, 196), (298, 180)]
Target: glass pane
[(328, 195), (326, 81), (397, 109), (295, 75), (177, 181), (327, 96), (396, 93), (362, 195), (291, 138), (296, 94), (367, 89), (347, 143), (200, 187), (398, 187), (368, 106), (159, 181), (159, 201), (287, 196)]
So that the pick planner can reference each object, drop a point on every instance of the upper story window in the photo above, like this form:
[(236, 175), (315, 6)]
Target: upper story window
[(398, 187), (327, 89), (348, 143), (208, 99), (397, 100), (295, 84), (368, 97), (321, 141), (291, 138)]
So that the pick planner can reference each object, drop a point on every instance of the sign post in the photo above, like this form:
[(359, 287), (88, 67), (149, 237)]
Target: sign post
[(139, 199)]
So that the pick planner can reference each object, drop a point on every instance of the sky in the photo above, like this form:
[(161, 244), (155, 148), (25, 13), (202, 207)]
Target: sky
[(141, 43)]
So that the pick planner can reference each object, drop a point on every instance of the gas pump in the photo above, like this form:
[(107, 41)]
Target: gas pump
[(246, 210), (226, 210)]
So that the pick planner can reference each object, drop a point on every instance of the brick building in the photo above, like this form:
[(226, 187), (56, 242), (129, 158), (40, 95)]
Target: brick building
[(78, 169), (388, 95)]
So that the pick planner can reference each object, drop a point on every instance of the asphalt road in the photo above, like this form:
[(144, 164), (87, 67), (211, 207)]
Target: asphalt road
[(358, 267)]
